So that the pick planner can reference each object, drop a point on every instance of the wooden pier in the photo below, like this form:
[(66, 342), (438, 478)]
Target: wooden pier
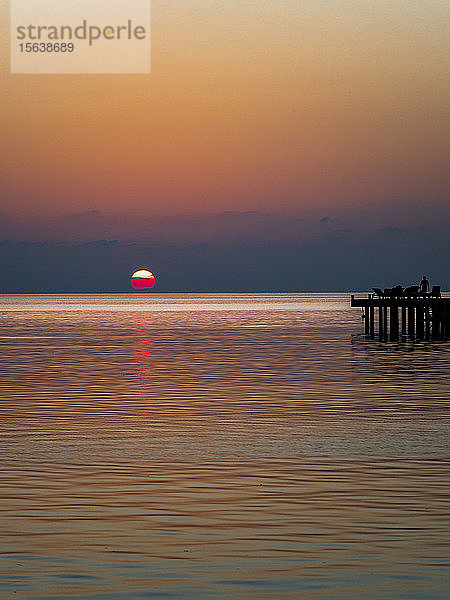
[(397, 317)]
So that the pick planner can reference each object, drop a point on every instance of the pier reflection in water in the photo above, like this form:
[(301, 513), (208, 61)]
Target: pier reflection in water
[(219, 447)]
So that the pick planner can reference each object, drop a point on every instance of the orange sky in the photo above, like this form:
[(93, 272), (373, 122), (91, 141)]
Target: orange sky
[(251, 105)]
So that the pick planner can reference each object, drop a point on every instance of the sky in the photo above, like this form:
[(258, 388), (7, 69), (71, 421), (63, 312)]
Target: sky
[(296, 110)]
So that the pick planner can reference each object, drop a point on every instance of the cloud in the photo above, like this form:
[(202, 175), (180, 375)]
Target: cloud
[(335, 263), (392, 229), (229, 227), (233, 252), (100, 243)]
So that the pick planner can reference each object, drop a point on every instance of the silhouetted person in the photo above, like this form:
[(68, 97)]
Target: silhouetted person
[(424, 286)]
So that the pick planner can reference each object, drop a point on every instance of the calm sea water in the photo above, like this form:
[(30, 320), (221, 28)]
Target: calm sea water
[(214, 446)]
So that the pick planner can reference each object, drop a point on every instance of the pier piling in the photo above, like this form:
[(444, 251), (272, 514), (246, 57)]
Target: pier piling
[(372, 321), (419, 323), (411, 321), (393, 311)]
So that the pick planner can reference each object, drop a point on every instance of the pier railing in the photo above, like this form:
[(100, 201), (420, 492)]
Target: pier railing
[(419, 317)]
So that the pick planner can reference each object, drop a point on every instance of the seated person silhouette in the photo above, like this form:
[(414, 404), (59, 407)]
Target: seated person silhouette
[(424, 286)]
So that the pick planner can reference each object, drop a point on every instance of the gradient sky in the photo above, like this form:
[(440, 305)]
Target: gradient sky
[(279, 106)]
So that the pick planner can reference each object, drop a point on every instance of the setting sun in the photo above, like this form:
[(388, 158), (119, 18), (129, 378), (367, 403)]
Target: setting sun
[(142, 280)]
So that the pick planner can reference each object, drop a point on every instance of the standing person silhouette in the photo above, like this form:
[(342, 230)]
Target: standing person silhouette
[(424, 286)]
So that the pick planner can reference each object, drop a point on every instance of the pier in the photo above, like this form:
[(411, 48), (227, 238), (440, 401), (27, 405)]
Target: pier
[(393, 315)]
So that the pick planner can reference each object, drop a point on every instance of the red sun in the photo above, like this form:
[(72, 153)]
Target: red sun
[(142, 280)]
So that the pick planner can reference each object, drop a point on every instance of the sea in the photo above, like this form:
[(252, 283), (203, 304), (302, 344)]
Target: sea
[(214, 446)]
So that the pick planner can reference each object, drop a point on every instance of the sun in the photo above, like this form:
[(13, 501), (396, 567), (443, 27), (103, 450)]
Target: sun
[(143, 280)]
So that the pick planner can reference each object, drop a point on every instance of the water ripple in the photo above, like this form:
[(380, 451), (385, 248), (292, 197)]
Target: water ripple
[(219, 447)]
